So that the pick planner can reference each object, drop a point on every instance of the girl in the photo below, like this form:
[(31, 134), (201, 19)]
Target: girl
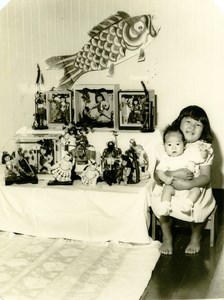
[(194, 124), (177, 157)]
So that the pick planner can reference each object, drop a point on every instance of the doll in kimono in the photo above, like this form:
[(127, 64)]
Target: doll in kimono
[(110, 162), (140, 161), (125, 170), (11, 170), (133, 156), (18, 170)]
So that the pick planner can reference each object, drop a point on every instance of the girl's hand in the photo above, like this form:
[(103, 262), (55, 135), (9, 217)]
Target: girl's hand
[(181, 184), (183, 173), (201, 181)]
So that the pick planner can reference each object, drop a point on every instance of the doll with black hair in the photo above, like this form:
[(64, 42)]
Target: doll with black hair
[(110, 162), (11, 170), (101, 108), (18, 170), (125, 170), (133, 156)]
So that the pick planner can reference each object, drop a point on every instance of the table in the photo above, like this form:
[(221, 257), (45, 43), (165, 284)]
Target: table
[(99, 213)]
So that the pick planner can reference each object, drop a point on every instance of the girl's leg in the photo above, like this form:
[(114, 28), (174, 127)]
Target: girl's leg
[(196, 233), (166, 226)]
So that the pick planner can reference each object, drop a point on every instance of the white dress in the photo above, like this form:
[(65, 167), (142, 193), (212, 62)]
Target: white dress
[(202, 207)]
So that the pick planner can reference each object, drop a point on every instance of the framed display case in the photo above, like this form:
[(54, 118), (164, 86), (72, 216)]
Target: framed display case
[(59, 107), (132, 107), (41, 151), (96, 105)]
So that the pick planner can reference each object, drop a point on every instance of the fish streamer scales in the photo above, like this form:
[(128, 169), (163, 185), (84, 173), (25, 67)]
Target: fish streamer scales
[(113, 41)]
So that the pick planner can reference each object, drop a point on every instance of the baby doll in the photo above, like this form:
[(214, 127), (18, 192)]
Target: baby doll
[(62, 171), (90, 174)]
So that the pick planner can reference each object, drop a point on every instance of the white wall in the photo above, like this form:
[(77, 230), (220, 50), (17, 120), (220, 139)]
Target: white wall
[(184, 64)]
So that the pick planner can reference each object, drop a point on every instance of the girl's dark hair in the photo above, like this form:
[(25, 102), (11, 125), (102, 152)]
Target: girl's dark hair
[(197, 113), (172, 128)]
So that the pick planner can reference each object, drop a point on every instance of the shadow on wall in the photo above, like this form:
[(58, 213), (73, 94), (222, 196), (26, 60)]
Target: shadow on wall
[(217, 176)]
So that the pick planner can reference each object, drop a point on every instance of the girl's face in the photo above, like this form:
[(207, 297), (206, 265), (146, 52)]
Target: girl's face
[(192, 129)]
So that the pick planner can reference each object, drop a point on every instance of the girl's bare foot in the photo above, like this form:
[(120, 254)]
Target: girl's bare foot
[(194, 246), (167, 247), (166, 225)]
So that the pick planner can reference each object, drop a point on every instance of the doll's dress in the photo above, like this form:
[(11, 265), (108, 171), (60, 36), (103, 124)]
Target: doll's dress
[(89, 177), (61, 174)]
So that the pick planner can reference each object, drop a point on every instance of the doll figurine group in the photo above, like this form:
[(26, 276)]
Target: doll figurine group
[(17, 168), (112, 166), (130, 167)]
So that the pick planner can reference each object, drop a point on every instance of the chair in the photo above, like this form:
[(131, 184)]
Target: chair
[(211, 225)]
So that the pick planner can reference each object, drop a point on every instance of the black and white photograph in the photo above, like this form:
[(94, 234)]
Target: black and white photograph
[(112, 149)]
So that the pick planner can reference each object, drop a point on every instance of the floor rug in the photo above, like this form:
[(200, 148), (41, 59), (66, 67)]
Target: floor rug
[(33, 268)]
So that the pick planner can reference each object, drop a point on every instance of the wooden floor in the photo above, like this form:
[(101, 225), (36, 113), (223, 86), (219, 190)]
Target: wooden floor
[(182, 276)]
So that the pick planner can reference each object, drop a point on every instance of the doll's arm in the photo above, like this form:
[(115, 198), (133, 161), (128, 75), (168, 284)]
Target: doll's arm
[(55, 166)]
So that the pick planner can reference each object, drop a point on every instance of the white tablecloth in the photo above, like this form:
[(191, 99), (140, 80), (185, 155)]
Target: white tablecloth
[(78, 212), (99, 213)]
